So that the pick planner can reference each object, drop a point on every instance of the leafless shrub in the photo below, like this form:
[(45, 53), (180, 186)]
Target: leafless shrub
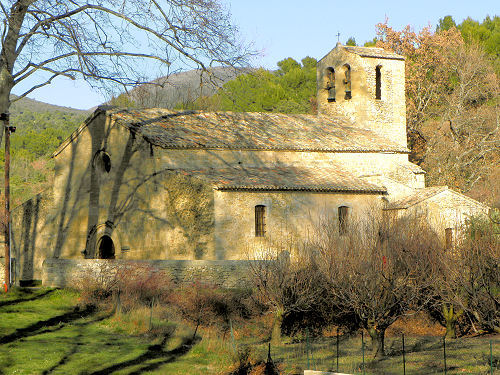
[(378, 271), (470, 283), (245, 363), (124, 286), (207, 305), (289, 286)]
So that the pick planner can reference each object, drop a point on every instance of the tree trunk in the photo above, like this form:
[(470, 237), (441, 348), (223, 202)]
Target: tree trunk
[(276, 330), (377, 335), (9, 53), (5, 89), (450, 318)]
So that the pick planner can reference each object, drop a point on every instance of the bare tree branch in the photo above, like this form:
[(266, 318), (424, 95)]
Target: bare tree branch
[(112, 43)]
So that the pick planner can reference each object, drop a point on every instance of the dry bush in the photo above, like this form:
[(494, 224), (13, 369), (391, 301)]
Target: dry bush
[(142, 284), (97, 284), (203, 304), (125, 286), (209, 306), (246, 364)]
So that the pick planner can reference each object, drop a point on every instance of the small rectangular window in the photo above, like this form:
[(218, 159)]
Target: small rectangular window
[(260, 221), (448, 234), (343, 212)]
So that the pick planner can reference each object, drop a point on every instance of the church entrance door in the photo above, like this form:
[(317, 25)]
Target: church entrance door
[(106, 248)]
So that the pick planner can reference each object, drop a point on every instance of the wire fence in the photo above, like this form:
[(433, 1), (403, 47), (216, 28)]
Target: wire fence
[(352, 354)]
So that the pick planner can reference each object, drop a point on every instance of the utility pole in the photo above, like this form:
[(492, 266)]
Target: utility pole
[(8, 129)]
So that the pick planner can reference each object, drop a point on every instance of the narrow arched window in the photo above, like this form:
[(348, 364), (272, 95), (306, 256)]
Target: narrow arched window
[(378, 82), (347, 82), (448, 234), (343, 216), (330, 84), (260, 220)]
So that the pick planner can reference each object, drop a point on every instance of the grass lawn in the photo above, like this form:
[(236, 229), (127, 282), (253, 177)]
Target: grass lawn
[(42, 332)]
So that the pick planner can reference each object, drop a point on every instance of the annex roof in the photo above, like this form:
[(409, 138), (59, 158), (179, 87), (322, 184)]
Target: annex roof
[(421, 195), (331, 179), (250, 131)]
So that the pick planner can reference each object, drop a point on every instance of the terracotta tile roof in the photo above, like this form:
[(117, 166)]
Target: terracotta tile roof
[(332, 179), (250, 131), (414, 168), (421, 195), (417, 197), (373, 52)]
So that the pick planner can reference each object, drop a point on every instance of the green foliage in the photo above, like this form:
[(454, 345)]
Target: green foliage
[(486, 33), (445, 23), (290, 89), (371, 43), (37, 135), (351, 41), (123, 101)]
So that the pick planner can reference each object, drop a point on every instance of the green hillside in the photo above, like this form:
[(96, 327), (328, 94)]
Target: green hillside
[(40, 128)]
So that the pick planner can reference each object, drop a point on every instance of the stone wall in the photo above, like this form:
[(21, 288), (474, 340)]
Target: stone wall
[(227, 273), (290, 219)]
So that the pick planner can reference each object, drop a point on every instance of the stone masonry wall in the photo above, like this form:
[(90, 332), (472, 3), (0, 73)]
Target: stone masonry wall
[(385, 116), (71, 272)]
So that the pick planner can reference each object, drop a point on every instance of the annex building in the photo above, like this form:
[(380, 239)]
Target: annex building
[(154, 184)]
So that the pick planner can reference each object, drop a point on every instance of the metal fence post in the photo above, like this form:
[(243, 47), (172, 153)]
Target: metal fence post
[(337, 349), (404, 358), (491, 357), (444, 354), (151, 314), (307, 347), (363, 350)]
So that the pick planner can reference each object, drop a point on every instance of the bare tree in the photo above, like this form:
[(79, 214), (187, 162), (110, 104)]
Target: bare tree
[(110, 42), (377, 271), (464, 151), (287, 285), (469, 284)]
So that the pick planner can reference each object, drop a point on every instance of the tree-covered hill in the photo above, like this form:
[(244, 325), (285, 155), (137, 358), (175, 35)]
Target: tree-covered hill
[(32, 105), (40, 128), (180, 88)]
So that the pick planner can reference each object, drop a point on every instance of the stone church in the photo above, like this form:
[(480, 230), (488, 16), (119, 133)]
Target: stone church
[(155, 184)]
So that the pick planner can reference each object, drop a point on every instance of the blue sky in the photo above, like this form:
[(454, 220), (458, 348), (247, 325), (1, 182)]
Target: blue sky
[(281, 29)]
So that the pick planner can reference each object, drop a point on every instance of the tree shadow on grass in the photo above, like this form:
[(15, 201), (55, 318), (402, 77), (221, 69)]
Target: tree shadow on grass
[(153, 352), (34, 328), (64, 359), (20, 300)]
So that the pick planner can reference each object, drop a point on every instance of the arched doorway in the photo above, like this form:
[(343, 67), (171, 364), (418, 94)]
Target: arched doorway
[(106, 247)]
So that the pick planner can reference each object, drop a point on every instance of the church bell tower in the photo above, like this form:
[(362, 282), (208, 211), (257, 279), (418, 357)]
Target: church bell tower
[(366, 85)]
